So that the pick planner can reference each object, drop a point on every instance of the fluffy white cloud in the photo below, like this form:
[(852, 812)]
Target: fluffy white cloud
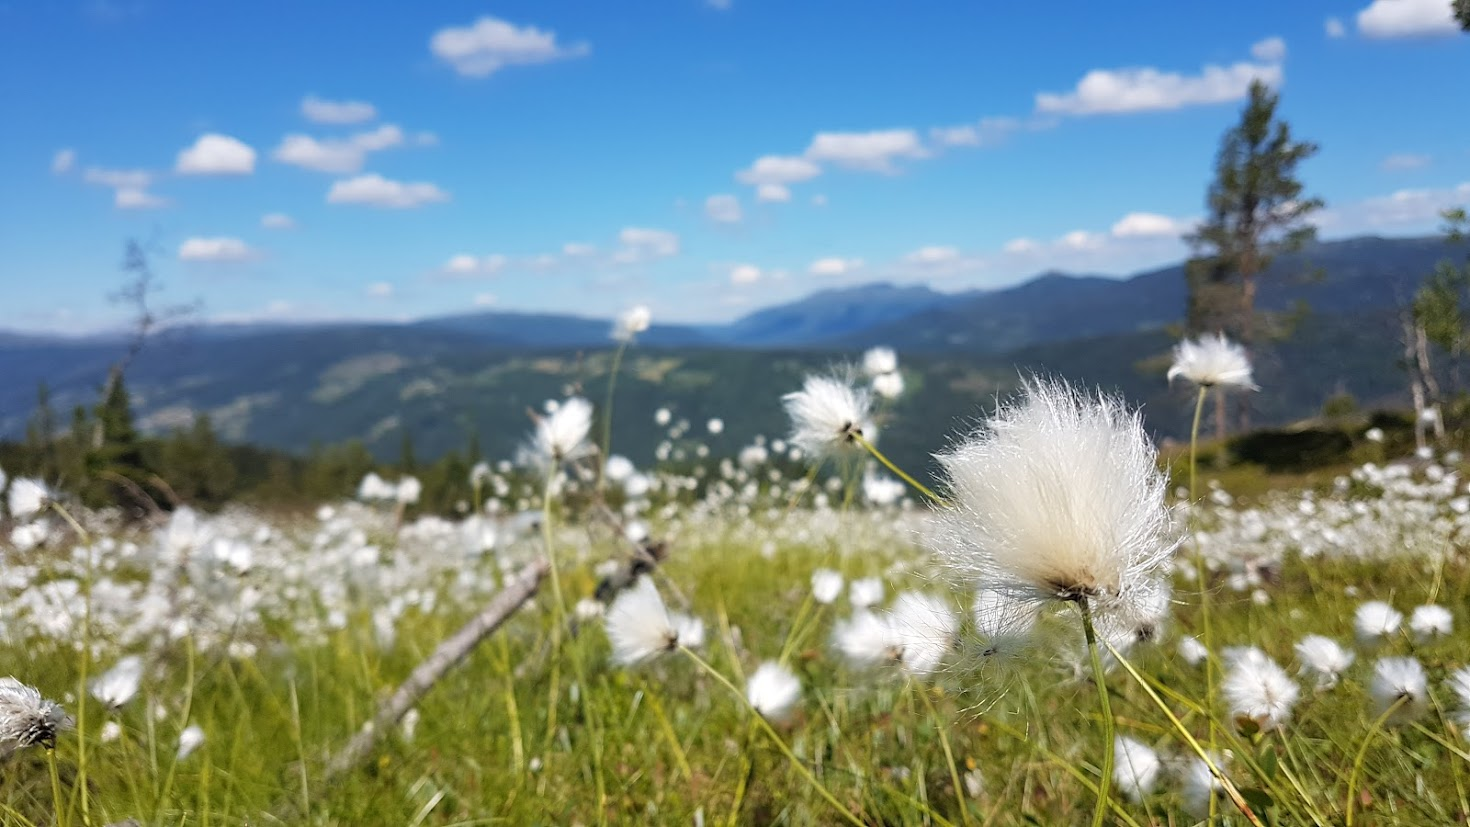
[(1146, 89), (220, 248), (465, 265), (1081, 240), (873, 151), (773, 193), (1400, 161), (1021, 246), (745, 274), (933, 255), (490, 44), (380, 290), (723, 209), (983, 133), (63, 161), (1149, 225), (135, 179), (574, 249), (834, 266), (277, 221), (130, 198), (1413, 206), (1407, 18), (780, 170), (320, 110), (1334, 28), (336, 154), (215, 154), (374, 190), (644, 243)]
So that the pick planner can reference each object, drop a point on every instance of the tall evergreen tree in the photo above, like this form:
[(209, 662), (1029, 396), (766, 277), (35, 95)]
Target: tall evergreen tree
[(1256, 210)]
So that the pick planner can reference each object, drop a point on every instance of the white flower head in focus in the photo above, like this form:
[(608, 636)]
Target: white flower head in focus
[(1399, 681), (1212, 361), (639, 627), (828, 414), (27, 718), (1259, 690)]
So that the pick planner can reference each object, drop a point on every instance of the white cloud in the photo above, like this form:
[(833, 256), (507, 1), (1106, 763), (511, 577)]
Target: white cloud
[(215, 154), (723, 209), (773, 193), (219, 248), (1146, 89), (277, 221), (63, 161), (872, 151), (834, 266), (336, 154), (467, 266), (1270, 50), (1081, 240), (320, 110), (781, 170), (1334, 27), (1407, 18), (644, 243), (983, 133), (490, 44), (130, 198), (135, 179), (1149, 225), (380, 290), (1400, 161), (575, 249), (484, 299), (374, 190), (933, 255), (745, 274), (1413, 206), (1021, 246)]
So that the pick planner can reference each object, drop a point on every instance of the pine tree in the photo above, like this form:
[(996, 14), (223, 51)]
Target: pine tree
[(1256, 210)]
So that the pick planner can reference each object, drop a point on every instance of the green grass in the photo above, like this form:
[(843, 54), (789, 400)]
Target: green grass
[(675, 744)]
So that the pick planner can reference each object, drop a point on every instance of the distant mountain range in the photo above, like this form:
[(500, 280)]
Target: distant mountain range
[(443, 378)]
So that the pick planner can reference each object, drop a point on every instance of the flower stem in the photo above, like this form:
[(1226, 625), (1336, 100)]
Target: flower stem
[(55, 786), (558, 610), (775, 737), (607, 410), (1201, 576), (887, 463), (1352, 791), (1099, 677), (954, 772)]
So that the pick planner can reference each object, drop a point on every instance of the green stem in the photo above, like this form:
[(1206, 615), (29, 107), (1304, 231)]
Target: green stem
[(558, 610), (887, 463), (1201, 576), (1099, 676), (1352, 791), (56, 801), (775, 737), (954, 772), (607, 409)]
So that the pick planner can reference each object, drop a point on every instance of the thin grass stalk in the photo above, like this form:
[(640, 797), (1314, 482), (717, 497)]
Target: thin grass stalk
[(607, 412), (300, 753), (56, 798), (770, 731), (85, 538), (1105, 704), (1067, 766), (941, 728), (1351, 804), (901, 474), (1201, 577), (512, 712)]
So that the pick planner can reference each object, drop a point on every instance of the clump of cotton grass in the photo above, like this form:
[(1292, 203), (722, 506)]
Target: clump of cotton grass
[(561, 435), (1258, 690), (829, 414), (1212, 361), (826, 585), (1136, 768), (773, 691), (633, 321), (1399, 688), (27, 718), (1374, 621), (1430, 622), (118, 685), (1324, 659), (27, 497), (639, 626)]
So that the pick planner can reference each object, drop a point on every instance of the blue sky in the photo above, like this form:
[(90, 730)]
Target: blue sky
[(291, 160)]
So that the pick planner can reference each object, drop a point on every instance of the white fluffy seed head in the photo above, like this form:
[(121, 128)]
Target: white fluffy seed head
[(1399, 680), (638, 625), (826, 585), (26, 718), (865, 592), (828, 413), (1136, 767), (27, 498), (888, 385), (1322, 658), (864, 639), (1059, 497), (1430, 622), (119, 684), (561, 435), (773, 690), (923, 629), (190, 739), (1212, 360), (1258, 689), (1376, 620), (633, 321), (880, 360), (1193, 651)]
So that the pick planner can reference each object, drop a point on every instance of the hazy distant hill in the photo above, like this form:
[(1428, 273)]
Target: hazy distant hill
[(444, 379)]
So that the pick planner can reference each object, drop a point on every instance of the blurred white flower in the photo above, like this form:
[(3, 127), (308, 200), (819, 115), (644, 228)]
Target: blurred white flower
[(715, 426), (882, 490), (688, 629), (880, 360), (1430, 622), (1323, 658), (561, 436), (888, 385), (865, 592), (374, 488), (773, 690), (27, 497), (826, 585), (1258, 689), (190, 739), (1198, 785), (1459, 682), (1399, 680), (1192, 650), (1212, 360), (923, 630), (827, 413), (662, 416), (1373, 434), (638, 625), (119, 684), (633, 321), (753, 456), (618, 469), (1376, 620), (408, 490), (1136, 768)]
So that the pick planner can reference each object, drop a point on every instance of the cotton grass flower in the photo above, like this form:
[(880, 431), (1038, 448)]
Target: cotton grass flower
[(27, 718), (1059, 497), (1459, 683), (1376, 620), (1212, 361), (880, 360), (922, 628), (1192, 650), (826, 585), (828, 414), (865, 592), (561, 436), (1430, 622), (1198, 785), (1324, 659), (1259, 690), (638, 625), (773, 691), (1399, 680), (1136, 768), (192, 738), (633, 321), (118, 685), (27, 498), (888, 385)]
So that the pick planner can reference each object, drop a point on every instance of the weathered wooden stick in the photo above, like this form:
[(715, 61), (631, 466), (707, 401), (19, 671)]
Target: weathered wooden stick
[(448, 654)]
